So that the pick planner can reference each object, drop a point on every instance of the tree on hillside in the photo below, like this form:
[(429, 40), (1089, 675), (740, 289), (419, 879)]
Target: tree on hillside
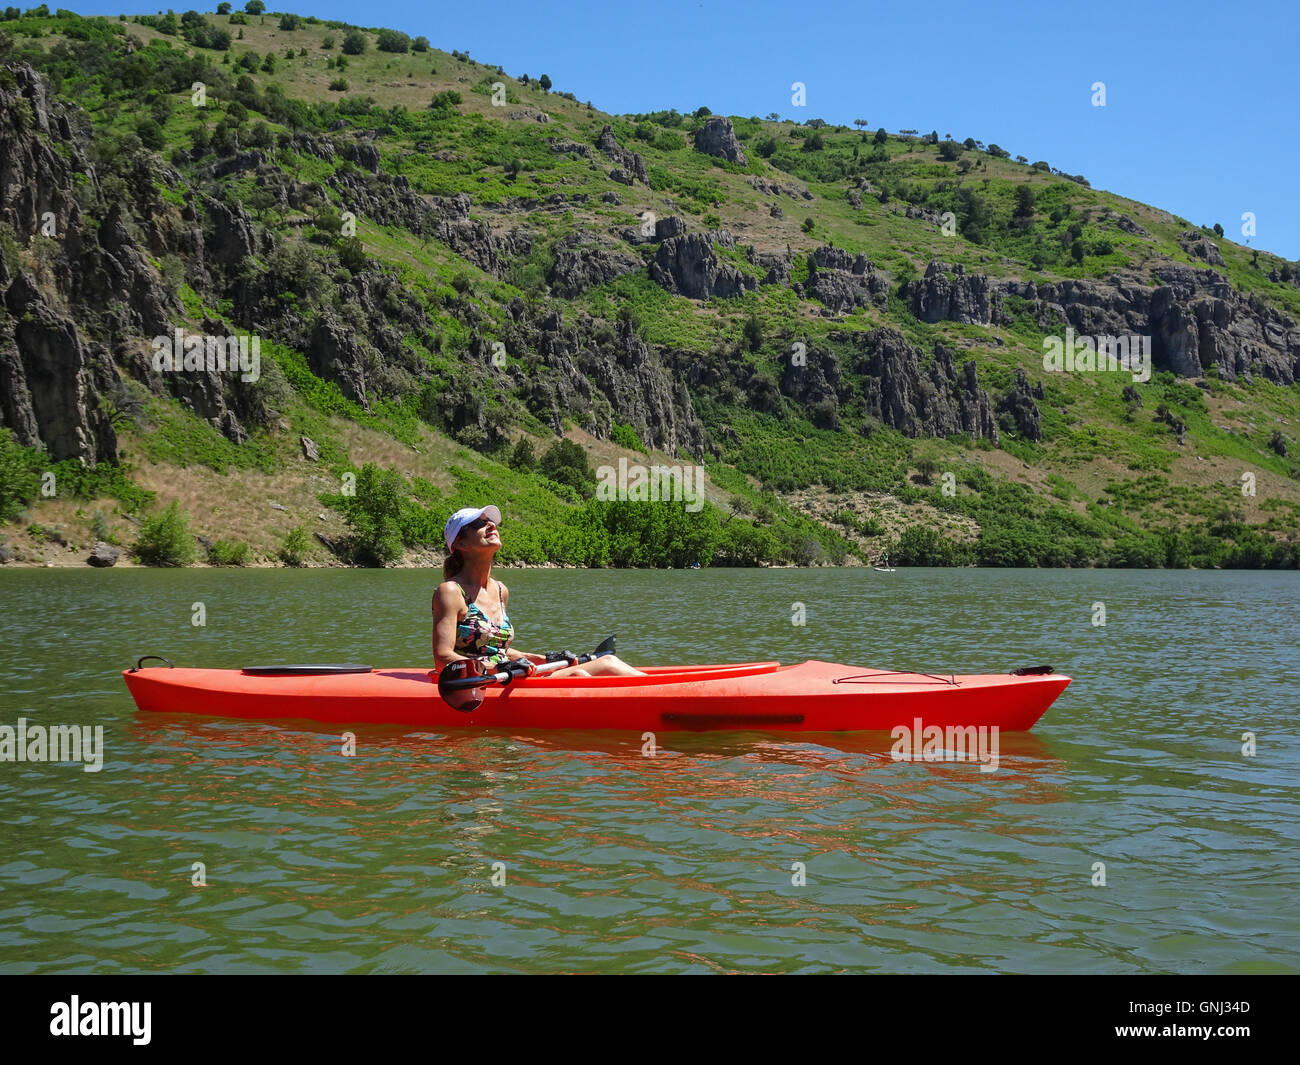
[(861, 123), (566, 463), (545, 82), (289, 22), (702, 112), (255, 7), (374, 514), (881, 136), (354, 43), (1024, 201), (393, 41), (1218, 229), (950, 151), (223, 8), (522, 457)]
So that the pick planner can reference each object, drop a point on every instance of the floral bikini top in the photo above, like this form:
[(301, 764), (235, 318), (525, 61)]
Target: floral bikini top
[(478, 637)]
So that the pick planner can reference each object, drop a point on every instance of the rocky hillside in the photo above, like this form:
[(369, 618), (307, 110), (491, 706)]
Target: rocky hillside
[(444, 269)]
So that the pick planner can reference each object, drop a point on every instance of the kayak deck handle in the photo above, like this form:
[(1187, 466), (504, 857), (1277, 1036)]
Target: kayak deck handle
[(1032, 671), (878, 675), (139, 662)]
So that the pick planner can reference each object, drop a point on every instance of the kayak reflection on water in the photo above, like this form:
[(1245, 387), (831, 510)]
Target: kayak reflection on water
[(464, 604)]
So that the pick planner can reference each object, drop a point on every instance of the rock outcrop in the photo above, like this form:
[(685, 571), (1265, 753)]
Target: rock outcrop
[(583, 260), (717, 137), (334, 353), (1201, 247), (948, 293), (690, 266), (51, 380), (601, 372), (1195, 319), (917, 399), (843, 281), (817, 382), (1018, 408), (775, 188), (629, 163)]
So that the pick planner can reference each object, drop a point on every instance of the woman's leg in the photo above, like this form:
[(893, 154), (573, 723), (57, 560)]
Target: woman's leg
[(569, 671), (604, 666), (611, 666)]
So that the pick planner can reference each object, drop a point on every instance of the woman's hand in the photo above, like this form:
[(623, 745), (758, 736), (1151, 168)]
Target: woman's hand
[(527, 663)]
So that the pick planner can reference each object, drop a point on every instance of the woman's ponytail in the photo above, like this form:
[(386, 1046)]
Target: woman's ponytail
[(455, 562)]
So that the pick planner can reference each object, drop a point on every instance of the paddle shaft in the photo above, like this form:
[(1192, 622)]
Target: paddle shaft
[(505, 676)]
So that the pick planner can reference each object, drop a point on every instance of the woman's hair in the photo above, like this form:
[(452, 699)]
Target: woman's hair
[(455, 561)]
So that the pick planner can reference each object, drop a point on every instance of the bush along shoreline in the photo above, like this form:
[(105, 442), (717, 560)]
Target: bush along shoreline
[(556, 517)]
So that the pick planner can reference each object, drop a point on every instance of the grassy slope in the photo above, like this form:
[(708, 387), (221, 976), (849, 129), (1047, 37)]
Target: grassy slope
[(1094, 459)]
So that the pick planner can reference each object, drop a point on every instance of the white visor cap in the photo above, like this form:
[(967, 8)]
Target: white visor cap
[(466, 515)]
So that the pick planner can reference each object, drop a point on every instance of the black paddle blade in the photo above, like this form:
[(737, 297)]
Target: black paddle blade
[(461, 685), (606, 648), (304, 671)]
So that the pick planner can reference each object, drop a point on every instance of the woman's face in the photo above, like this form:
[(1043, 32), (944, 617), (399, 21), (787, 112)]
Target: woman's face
[(480, 534)]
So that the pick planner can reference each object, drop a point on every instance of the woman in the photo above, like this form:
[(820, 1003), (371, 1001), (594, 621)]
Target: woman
[(469, 607)]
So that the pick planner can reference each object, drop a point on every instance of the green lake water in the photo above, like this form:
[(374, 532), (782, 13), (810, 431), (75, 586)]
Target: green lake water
[(615, 862)]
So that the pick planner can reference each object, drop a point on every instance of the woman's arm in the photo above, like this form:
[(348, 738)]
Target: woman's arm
[(446, 611)]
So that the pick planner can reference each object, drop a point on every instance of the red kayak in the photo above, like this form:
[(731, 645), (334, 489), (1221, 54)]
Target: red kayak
[(809, 697)]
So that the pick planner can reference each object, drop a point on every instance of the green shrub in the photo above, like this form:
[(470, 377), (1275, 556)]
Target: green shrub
[(294, 546), (522, 457), (354, 43), (165, 539), (374, 514), (625, 436), (19, 478), (566, 463), (150, 134), (393, 41), (229, 553), (99, 528), (352, 254)]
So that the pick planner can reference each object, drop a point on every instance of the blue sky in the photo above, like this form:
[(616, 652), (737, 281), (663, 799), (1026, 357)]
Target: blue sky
[(1201, 97)]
